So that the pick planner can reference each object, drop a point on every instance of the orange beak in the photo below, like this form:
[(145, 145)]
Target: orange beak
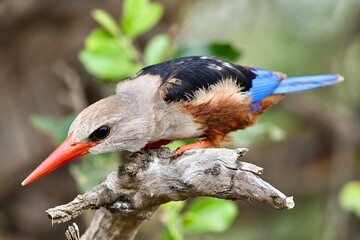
[(64, 153)]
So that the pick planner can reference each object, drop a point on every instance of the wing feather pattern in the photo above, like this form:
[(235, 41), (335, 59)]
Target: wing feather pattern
[(182, 77)]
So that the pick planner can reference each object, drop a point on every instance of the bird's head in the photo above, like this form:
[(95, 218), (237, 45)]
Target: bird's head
[(108, 125)]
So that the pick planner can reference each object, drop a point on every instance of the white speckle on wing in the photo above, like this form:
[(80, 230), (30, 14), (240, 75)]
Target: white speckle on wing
[(228, 65), (214, 67), (206, 57)]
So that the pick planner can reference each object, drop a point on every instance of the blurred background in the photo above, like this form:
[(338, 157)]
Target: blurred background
[(308, 144)]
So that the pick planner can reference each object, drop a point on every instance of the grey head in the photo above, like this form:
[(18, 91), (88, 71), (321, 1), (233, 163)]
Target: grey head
[(113, 123)]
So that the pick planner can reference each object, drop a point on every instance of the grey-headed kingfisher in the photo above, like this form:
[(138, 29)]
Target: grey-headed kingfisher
[(189, 97)]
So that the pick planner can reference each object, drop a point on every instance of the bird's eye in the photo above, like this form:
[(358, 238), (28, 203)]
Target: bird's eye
[(99, 134)]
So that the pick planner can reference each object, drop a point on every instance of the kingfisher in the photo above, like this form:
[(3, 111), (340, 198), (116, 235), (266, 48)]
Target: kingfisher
[(190, 97)]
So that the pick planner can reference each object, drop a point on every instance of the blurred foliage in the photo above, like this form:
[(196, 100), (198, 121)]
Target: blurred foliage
[(303, 222), (57, 129), (173, 228), (109, 52), (139, 16), (156, 49), (349, 197), (209, 215), (257, 132), (93, 169), (107, 58), (203, 215), (221, 50)]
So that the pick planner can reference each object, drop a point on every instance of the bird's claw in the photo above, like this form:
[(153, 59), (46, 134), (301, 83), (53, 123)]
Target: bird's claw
[(177, 153)]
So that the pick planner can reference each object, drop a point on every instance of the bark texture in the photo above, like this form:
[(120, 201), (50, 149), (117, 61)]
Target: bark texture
[(134, 192)]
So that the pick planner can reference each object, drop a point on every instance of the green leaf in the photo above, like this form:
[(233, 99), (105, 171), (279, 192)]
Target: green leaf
[(93, 169), (222, 50), (57, 129), (349, 197), (209, 215), (139, 16), (106, 21), (106, 58), (171, 215), (156, 49), (172, 209), (170, 234)]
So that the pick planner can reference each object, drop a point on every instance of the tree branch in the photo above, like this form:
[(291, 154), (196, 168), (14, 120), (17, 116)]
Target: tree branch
[(138, 188)]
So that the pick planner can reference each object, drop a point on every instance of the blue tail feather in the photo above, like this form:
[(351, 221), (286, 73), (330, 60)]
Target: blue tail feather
[(297, 84), (267, 83)]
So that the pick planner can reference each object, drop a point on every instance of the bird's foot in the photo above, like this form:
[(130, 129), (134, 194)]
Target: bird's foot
[(204, 143)]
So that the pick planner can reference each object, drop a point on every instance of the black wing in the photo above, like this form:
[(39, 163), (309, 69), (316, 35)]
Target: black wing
[(182, 77)]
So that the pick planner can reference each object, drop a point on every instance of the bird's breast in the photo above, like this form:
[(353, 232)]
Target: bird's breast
[(172, 124), (221, 109)]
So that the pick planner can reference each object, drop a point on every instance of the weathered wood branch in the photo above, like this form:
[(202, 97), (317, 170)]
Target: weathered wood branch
[(138, 188)]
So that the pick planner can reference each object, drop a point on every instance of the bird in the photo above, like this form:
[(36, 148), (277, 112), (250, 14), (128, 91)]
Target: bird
[(189, 97)]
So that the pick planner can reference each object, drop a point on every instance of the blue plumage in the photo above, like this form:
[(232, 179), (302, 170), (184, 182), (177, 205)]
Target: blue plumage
[(263, 84), (267, 83)]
